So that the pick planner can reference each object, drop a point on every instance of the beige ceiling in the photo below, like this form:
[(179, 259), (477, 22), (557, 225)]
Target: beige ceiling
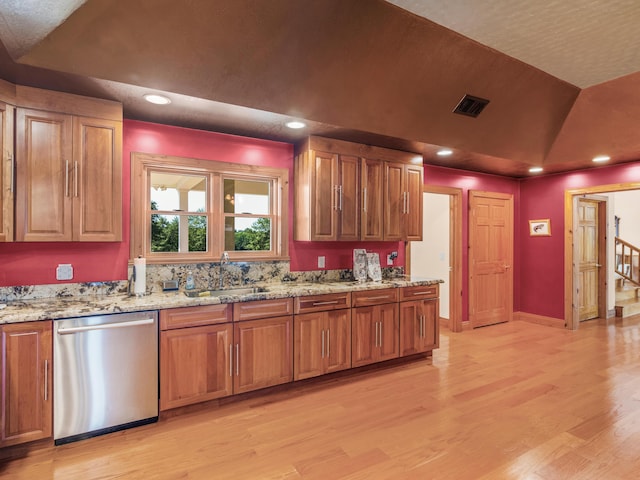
[(364, 71), (584, 42)]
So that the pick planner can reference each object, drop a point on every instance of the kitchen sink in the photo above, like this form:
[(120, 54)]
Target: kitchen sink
[(224, 291)]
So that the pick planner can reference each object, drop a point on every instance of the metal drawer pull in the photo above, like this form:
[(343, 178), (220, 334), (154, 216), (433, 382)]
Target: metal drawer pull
[(424, 292), (380, 297), (88, 328), (332, 302)]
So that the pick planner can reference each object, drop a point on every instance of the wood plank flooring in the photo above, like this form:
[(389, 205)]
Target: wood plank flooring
[(510, 401)]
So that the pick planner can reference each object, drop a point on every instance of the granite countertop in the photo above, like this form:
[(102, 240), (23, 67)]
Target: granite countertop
[(52, 308)]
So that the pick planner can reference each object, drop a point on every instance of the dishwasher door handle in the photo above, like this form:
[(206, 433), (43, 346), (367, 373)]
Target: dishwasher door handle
[(88, 328)]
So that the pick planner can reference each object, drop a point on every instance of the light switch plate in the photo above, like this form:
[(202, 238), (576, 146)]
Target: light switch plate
[(64, 271), (321, 262)]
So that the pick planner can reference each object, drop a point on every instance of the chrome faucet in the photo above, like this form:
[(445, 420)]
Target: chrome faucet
[(224, 259)]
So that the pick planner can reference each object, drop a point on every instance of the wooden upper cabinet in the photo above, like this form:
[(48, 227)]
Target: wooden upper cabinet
[(348, 198), (44, 169), (68, 168), (26, 374), (349, 191), (372, 211), (403, 202), (330, 184), (97, 195), (7, 172), (414, 186)]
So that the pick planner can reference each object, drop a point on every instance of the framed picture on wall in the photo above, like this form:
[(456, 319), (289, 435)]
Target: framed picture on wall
[(540, 228)]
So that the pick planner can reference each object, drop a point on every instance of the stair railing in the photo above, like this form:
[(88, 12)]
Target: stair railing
[(627, 260)]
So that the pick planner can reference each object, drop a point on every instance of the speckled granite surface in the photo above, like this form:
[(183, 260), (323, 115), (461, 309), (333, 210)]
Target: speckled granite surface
[(113, 300)]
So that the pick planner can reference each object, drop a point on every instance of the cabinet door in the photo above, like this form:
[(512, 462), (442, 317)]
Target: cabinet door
[(337, 340), (430, 324), (264, 353), (308, 345), (372, 211), (413, 210), (194, 365), (97, 180), (44, 170), (324, 199), (364, 339), (418, 326), (394, 204), (410, 327), (26, 371), (389, 331), (349, 198), (6, 172)]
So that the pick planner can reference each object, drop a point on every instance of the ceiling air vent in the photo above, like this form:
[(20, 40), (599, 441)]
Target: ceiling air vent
[(470, 106)]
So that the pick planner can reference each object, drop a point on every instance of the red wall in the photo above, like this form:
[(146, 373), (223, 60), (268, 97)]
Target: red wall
[(542, 258), (449, 177), (35, 263)]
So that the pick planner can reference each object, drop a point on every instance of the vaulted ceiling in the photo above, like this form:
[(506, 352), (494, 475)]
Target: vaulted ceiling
[(563, 82)]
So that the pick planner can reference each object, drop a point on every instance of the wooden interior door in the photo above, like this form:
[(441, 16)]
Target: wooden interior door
[(490, 258), (587, 235)]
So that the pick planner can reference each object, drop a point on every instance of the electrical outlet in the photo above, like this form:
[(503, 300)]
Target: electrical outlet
[(64, 271), (321, 262), (389, 260)]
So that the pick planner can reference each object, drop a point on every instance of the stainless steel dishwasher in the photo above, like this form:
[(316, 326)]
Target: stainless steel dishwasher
[(105, 374)]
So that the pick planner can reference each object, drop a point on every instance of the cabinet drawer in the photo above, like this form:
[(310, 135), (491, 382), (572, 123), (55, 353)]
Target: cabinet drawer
[(194, 316), (418, 292), (374, 297), (262, 309), (317, 303)]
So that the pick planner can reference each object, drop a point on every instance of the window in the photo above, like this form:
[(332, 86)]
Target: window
[(187, 210)]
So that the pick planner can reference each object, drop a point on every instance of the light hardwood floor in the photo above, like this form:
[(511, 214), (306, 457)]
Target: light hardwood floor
[(511, 401)]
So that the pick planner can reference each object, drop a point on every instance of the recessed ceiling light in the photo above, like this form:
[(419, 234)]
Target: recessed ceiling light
[(445, 152), (535, 169), (296, 124), (602, 158), (157, 99)]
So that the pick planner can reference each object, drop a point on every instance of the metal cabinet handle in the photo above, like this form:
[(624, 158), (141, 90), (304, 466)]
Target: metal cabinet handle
[(364, 199), (75, 179), (376, 334), (340, 197), (237, 359), (322, 348), (381, 334), (66, 178), (46, 380), (13, 180), (230, 360), (328, 343), (408, 202)]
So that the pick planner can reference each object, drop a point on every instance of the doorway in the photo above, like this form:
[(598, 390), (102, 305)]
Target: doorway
[(449, 203), (572, 296)]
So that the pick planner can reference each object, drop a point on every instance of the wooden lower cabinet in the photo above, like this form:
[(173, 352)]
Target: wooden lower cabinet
[(195, 365), (322, 343), (374, 334), (27, 381), (419, 319), (263, 353)]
